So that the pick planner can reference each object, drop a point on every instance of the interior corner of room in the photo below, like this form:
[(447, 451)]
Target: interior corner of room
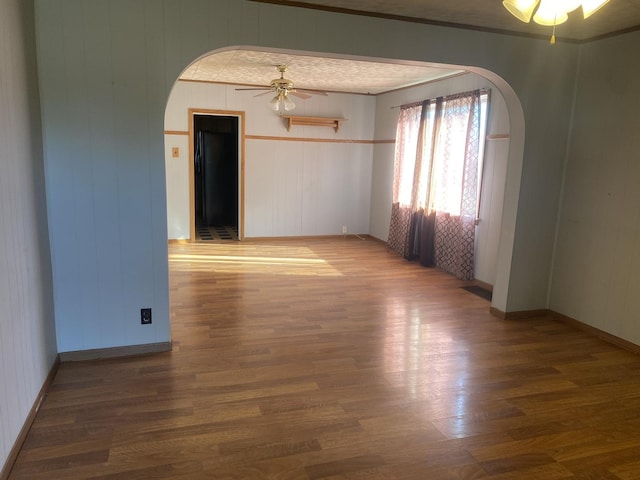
[(98, 140)]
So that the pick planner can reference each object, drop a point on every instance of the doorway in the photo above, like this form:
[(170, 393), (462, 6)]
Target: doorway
[(215, 180)]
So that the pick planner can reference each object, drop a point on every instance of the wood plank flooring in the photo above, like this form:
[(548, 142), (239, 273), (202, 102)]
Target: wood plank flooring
[(335, 359)]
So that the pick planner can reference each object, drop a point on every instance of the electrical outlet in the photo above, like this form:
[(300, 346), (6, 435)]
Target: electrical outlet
[(175, 151), (344, 229), (145, 316)]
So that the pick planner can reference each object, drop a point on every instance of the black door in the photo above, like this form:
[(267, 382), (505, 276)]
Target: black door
[(216, 171)]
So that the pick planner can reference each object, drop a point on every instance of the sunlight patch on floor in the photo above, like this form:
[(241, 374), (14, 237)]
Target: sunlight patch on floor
[(289, 265)]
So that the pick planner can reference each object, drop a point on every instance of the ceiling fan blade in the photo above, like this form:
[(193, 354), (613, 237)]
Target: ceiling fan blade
[(313, 92), (264, 93), (303, 96), (257, 88)]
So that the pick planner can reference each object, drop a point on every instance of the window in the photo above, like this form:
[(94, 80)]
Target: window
[(438, 176)]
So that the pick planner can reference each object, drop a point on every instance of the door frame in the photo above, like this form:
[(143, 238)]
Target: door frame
[(241, 142)]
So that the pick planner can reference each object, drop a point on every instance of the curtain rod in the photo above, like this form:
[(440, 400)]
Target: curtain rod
[(415, 104)]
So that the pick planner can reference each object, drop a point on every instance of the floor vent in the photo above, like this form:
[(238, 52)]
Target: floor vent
[(479, 291)]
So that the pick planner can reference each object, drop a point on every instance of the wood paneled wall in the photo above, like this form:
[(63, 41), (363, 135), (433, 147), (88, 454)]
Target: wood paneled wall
[(103, 107), (292, 188), (595, 276), (27, 335), (106, 69)]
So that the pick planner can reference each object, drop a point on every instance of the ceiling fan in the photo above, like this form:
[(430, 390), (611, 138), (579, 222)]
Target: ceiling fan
[(283, 87)]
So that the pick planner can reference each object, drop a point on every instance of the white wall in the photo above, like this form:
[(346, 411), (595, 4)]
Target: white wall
[(595, 275), (495, 164), (27, 334), (292, 188), (106, 69), (103, 92), (309, 188)]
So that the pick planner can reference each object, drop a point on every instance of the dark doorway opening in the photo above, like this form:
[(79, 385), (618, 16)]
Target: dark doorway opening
[(216, 177)]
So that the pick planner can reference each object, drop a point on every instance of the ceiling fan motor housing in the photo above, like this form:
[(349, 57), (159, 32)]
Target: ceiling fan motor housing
[(281, 84)]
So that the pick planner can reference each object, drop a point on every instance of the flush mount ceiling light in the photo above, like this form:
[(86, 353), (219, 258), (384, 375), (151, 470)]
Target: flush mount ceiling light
[(550, 12)]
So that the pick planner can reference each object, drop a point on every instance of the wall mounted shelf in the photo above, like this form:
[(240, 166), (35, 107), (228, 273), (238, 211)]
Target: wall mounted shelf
[(313, 121)]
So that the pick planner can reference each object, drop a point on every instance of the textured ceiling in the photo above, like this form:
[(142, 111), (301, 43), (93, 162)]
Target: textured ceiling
[(248, 67), (258, 68), (615, 16)]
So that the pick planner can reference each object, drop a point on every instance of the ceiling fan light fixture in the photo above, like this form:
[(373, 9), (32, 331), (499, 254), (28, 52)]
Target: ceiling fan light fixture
[(282, 87), (571, 5), (550, 13), (282, 101), (521, 9), (274, 103), (288, 103), (589, 7)]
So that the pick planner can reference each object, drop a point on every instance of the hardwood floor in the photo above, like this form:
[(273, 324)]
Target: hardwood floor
[(334, 359)]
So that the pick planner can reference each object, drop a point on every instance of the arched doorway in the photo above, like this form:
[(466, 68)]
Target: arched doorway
[(216, 95)]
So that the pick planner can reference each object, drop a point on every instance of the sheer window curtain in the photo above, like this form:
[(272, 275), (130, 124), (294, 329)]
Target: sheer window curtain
[(405, 198), (436, 181)]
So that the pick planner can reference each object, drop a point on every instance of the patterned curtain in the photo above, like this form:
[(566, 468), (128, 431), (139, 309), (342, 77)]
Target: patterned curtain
[(405, 174), (436, 183)]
